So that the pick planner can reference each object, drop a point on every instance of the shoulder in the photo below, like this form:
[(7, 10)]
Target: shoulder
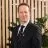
[(35, 27), (15, 28)]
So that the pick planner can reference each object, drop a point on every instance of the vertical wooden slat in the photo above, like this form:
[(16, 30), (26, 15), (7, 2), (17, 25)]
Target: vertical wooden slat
[(10, 6), (12, 12), (20, 1), (32, 12), (15, 1), (12, 1), (26, 1), (14, 8), (1, 31), (17, 8), (9, 20), (47, 13), (37, 9), (34, 16), (8, 23), (7, 32), (30, 9), (41, 8), (1, 28), (16, 12), (44, 8), (34, 3), (9, 16), (5, 20), (47, 7), (23, 1), (0, 21)]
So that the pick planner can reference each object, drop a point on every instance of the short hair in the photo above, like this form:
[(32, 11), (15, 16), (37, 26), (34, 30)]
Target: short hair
[(23, 4)]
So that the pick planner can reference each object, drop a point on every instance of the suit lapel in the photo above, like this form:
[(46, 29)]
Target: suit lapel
[(27, 33)]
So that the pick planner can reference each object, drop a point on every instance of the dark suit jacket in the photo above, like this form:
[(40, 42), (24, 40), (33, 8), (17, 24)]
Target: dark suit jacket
[(32, 38)]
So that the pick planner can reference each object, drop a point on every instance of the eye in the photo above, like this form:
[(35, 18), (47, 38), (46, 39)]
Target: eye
[(20, 12), (25, 11)]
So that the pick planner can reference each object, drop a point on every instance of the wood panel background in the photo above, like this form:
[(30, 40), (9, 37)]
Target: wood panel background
[(8, 14)]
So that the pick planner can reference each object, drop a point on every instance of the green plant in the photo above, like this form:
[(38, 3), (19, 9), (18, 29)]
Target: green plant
[(14, 24), (11, 29), (41, 22)]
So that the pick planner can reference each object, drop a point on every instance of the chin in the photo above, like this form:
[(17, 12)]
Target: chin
[(24, 21)]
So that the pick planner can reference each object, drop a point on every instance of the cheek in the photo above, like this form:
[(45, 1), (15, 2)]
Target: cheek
[(20, 15), (27, 17)]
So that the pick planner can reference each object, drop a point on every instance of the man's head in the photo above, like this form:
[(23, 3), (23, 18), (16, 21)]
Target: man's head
[(24, 12)]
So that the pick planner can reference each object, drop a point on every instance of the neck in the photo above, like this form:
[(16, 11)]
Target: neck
[(24, 23)]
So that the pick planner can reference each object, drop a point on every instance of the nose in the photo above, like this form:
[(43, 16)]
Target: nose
[(23, 14)]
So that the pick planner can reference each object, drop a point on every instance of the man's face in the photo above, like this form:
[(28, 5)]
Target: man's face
[(24, 13)]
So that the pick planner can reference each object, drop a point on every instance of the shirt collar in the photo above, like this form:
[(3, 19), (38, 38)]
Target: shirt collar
[(25, 24)]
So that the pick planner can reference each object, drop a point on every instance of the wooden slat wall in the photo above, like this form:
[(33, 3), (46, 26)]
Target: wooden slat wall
[(8, 14)]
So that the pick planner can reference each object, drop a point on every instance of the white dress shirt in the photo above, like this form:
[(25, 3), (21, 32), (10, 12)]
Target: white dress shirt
[(25, 24)]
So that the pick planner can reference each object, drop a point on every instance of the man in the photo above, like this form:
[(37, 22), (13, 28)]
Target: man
[(30, 36)]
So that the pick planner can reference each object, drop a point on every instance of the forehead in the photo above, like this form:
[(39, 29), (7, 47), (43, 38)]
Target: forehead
[(23, 7)]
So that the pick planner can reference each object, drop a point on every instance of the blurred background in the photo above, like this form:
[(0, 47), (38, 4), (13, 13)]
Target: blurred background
[(9, 16)]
